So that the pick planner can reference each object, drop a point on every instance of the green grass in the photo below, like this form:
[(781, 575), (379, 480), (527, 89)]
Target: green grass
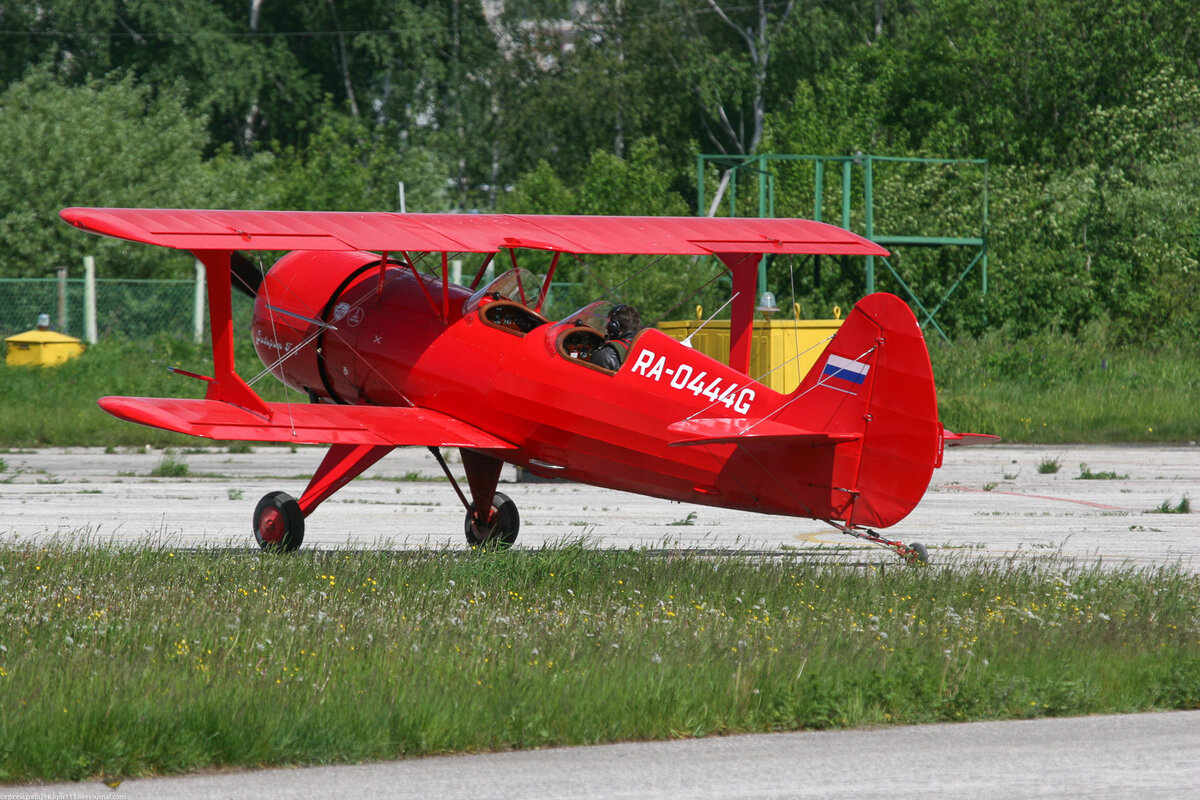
[(1086, 474), (171, 466), (1048, 466), (1057, 388), (1184, 506), (56, 406), (124, 662)]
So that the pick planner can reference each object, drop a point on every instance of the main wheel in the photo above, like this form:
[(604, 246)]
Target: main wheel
[(501, 531), (278, 522)]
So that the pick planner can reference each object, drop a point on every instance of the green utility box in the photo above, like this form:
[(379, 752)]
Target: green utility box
[(782, 351)]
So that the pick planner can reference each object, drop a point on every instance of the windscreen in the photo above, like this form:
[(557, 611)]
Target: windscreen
[(593, 315), (518, 285)]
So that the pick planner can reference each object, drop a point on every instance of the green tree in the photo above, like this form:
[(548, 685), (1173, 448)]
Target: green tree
[(425, 72), (639, 185), (1142, 233), (1018, 80), (219, 56), (107, 143), (582, 78), (349, 165), (539, 191)]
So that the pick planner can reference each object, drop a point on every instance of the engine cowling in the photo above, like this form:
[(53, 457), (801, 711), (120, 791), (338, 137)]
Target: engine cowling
[(290, 309), (347, 332)]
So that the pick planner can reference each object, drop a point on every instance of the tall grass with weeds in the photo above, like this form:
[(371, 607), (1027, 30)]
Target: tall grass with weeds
[(123, 662), (1184, 506), (171, 465), (1048, 466), (1087, 474), (1060, 388)]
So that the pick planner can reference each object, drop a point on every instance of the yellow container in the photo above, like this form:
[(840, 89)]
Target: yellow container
[(782, 351), (39, 348)]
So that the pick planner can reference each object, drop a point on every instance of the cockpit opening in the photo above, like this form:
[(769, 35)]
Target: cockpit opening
[(516, 285), (509, 302), (582, 335)]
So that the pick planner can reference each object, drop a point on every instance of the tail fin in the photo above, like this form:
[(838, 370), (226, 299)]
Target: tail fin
[(873, 387)]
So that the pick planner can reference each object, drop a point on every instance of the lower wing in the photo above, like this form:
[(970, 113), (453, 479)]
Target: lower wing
[(303, 423)]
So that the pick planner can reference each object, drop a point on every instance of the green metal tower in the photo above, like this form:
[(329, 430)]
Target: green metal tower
[(761, 170)]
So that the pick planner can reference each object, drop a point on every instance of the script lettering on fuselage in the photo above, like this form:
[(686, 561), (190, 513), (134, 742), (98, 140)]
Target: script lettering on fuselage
[(273, 344), (687, 378)]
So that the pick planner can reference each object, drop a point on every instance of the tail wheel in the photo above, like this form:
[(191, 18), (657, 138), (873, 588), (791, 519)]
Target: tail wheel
[(913, 553), (916, 554), (278, 522), (501, 530)]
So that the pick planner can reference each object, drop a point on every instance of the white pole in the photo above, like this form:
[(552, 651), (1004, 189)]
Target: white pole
[(403, 207), (89, 300), (456, 270), (62, 299), (198, 312), (712, 209)]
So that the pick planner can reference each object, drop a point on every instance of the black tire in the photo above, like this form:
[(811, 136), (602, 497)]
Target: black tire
[(278, 522), (502, 532), (918, 554)]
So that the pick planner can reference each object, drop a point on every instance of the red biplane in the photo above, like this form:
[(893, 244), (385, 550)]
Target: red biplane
[(387, 355)]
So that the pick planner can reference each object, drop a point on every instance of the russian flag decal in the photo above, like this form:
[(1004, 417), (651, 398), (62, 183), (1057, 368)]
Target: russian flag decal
[(845, 369)]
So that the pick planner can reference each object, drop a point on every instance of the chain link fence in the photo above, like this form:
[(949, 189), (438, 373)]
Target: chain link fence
[(131, 309)]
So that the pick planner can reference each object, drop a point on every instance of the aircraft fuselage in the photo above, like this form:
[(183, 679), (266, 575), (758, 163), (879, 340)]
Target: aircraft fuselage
[(387, 344)]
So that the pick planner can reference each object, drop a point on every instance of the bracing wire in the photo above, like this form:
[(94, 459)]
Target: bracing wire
[(612, 290), (698, 290), (287, 396), (312, 336)]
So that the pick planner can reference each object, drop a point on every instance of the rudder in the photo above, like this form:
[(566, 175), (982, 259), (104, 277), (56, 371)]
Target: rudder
[(874, 379)]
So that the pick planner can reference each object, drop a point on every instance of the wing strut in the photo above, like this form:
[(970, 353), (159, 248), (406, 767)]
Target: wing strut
[(546, 283), (424, 289), (445, 285), (482, 269), (437, 453), (226, 386), (744, 267)]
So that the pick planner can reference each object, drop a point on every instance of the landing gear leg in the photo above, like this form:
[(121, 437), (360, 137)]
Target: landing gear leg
[(279, 518), (492, 517), (501, 529)]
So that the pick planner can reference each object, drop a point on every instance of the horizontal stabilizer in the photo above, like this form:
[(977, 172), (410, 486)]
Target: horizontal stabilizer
[(968, 439), (303, 423), (743, 431)]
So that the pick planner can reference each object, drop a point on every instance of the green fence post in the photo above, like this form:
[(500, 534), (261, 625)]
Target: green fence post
[(846, 194), (818, 189), (868, 180)]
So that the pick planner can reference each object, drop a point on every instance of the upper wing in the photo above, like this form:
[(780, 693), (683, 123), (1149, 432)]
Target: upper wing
[(303, 423), (196, 229)]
